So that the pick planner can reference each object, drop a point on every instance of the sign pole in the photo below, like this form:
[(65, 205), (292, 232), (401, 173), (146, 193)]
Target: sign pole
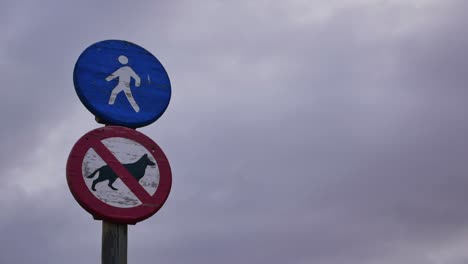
[(114, 243), (125, 87)]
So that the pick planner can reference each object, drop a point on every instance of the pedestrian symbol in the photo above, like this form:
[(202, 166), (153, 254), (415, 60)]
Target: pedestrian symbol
[(124, 74), (121, 83)]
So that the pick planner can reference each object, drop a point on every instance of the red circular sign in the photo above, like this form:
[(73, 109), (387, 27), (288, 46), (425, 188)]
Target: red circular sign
[(118, 174)]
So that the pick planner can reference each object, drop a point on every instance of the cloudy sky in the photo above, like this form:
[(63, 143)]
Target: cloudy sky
[(298, 131)]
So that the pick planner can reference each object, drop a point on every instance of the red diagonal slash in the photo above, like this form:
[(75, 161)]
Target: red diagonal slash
[(121, 171)]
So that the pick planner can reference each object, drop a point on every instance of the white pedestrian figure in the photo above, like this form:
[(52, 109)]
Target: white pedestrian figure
[(124, 73)]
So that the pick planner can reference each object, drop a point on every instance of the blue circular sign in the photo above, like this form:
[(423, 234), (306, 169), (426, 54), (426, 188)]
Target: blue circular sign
[(121, 83)]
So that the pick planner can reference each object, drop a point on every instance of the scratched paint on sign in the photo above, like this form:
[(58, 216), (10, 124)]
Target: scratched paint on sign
[(127, 152)]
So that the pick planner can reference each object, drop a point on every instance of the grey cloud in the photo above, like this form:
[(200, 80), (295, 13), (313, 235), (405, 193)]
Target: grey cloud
[(289, 143)]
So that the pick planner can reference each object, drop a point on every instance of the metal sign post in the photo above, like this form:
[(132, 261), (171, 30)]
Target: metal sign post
[(117, 174)]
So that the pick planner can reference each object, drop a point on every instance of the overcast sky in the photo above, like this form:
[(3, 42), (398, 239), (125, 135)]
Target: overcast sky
[(298, 131)]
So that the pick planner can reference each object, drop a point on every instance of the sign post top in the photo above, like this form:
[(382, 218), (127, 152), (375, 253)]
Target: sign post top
[(122, 83)]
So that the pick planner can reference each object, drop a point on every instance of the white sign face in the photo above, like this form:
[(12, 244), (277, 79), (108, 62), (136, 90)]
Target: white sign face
[(106, 185)]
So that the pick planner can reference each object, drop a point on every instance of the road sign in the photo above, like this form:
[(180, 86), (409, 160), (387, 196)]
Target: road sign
[(122, 83), (118, 174)]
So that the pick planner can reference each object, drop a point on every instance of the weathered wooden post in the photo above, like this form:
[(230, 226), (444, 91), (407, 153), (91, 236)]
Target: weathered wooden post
[(114, 243)]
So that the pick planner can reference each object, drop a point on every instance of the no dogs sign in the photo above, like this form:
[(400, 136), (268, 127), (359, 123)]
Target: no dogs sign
[(118, 174)]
